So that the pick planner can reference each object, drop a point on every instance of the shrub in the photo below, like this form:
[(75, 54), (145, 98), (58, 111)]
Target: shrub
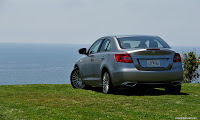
[(190, 65)]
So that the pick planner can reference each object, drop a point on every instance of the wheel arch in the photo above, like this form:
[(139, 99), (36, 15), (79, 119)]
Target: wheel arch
[(76, 66), (104, 68)]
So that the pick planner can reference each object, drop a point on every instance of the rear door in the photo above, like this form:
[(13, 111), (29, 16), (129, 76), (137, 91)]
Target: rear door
[(100, 57)]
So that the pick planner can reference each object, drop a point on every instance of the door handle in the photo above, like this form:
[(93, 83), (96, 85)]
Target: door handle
[(92, 57)]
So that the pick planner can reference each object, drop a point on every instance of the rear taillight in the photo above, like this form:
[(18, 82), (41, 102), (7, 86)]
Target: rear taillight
[(177, 57), (126, 58)]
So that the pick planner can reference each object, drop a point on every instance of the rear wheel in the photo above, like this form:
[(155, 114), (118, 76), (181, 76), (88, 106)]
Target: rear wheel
[(171, 89), (76, 80), (107, 84)]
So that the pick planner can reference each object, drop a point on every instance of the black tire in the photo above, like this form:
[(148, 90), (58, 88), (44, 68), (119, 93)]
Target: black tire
[(76, 80), (174, 90), (107, 87)]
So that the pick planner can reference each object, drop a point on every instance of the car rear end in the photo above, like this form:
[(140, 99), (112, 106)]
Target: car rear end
[(155, 65)]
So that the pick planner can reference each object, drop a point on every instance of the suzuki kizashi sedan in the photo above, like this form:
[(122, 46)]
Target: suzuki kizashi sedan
[(128, 61)]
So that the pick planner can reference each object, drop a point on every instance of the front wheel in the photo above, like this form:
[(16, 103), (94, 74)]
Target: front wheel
[(76, 80), (107, 84)]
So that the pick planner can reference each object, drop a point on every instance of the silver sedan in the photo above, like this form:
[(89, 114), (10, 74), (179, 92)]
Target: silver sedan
[(129, 61)]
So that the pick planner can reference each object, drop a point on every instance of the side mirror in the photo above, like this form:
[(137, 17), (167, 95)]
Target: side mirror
[(82, 51)]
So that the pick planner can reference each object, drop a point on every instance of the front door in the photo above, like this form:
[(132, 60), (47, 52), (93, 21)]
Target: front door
[(88, 68)]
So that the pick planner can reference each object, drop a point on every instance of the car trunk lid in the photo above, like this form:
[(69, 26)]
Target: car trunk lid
[(152, 59)]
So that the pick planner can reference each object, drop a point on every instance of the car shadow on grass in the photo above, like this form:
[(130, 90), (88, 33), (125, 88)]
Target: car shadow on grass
[(137, 91)]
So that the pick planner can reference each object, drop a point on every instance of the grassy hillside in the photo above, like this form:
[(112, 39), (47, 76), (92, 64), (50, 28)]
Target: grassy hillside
[(64, 102)]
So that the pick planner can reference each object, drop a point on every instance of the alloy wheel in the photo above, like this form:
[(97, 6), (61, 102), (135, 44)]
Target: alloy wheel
[(76, 80), (106, 81)]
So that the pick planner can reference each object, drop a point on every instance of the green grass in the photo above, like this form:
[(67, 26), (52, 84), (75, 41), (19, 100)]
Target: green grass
[(63, 102)]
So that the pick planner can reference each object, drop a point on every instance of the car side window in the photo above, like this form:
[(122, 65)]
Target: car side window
[(106, 45), (94, 48)]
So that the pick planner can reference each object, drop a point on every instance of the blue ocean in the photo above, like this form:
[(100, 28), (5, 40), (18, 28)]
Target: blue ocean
[(28, 63), (22, 63)]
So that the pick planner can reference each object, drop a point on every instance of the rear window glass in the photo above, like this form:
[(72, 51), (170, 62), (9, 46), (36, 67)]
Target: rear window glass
[(142, 42)]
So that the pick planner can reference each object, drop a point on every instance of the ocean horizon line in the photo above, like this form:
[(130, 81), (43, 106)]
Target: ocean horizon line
[(43, 43), (63, 43)]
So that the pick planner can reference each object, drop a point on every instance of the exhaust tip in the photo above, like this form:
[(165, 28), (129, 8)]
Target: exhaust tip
[(130, 84), (176, 83)]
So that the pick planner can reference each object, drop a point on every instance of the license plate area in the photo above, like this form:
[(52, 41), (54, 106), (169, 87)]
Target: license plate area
[(153, 63)]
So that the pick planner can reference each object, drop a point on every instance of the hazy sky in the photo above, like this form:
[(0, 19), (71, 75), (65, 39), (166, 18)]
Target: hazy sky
[(83, 21)]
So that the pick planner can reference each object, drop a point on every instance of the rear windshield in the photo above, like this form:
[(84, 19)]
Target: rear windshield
[(142, 42)]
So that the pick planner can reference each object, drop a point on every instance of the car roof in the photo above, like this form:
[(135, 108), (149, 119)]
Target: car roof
[(121, 36)]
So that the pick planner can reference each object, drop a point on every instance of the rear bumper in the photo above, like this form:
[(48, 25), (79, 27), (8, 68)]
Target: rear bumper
[(132, 75)]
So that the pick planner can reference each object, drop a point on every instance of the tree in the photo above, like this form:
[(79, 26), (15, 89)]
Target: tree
[(190, 65)]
